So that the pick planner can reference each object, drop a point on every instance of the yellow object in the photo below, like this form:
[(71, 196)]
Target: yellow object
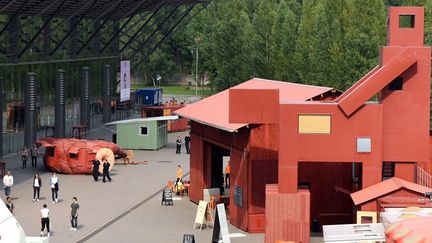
[(408, 216), (411, 209), (366, 214), (314, 124)]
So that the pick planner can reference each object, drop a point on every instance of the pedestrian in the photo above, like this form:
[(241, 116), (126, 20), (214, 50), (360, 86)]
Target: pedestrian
[(179, 175), (187, 142), (24, 157), (106, 167), (54, 183), (8, 183), (227, 175), (74, 214), (96, 165), (10, 205), (37, 183), (34, 154), (178, 145), (45, 220)]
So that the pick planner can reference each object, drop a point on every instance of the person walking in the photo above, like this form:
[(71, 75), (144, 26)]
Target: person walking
[(74, 214), (54, 183), (10, 205), (227, 175), (179, 175), (34, 154), (37, 183), (105, 170), (95, 172), (187, 142), (24, 157), (178, 145), (8, 182), (45, 222)]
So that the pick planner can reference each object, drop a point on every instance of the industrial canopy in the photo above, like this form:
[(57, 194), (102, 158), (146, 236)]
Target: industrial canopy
[(72, 7)]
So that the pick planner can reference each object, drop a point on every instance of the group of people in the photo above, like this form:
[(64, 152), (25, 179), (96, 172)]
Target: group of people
[(8, 182), (105, 170), (26, 153), (187, 140)]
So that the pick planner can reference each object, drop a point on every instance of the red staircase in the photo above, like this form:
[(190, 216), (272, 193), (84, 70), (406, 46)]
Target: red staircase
[(423, 178)]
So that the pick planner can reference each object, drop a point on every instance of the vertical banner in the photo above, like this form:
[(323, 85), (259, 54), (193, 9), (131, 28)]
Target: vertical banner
[(124, 81)]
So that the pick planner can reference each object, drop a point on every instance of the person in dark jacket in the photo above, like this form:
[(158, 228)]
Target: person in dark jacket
[(34, 154), (106, 166), (96, 165), (187, 142), (37, 183), (178, 145)]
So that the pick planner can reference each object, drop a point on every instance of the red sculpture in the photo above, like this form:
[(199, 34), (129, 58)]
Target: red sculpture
[(74, 156)]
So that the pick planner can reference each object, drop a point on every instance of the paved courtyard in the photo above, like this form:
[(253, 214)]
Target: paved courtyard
[(128, 209)]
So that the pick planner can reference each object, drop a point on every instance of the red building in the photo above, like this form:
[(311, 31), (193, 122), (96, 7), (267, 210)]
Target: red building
[(354, 135), (253, 149)]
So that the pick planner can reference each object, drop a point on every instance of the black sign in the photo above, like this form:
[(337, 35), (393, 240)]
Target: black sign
[(167, 197), (188, 238), (238, 196)]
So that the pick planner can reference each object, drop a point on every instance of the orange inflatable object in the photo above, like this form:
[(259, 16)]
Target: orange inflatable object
[(415, 230), (74, 156), (105, 154)]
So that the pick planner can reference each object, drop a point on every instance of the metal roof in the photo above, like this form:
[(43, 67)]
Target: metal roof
[(214, 110), (138, 120), (385, 187), (79, 7)]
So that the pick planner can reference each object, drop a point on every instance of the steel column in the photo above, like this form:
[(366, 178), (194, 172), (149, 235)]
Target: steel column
[(30, 110), (1, 117), (85, 97), (107, 83), (60, 105)]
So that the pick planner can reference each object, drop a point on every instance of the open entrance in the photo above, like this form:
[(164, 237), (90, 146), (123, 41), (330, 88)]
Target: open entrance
[(330, 185), (219, 159)]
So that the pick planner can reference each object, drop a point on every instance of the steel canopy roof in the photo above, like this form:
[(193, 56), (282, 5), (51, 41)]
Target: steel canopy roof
[(70, 7)]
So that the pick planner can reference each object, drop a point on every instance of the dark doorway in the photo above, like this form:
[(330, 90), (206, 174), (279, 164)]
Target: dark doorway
[(330, 185), (217, 167)]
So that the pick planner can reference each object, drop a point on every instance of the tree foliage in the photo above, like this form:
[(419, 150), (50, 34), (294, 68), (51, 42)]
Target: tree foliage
[(321, 42)]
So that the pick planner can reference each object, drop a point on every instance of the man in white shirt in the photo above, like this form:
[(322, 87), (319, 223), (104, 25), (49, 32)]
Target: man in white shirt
[(8, 183), (45, 220)]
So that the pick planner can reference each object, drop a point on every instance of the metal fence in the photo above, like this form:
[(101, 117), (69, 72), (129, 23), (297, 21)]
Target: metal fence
[(13, 142)]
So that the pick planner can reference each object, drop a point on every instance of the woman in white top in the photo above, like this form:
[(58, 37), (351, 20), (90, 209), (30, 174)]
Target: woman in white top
[(54, 187), (37, 183)]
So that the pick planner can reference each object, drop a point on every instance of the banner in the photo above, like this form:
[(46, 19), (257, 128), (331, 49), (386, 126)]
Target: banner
[(124, 81)]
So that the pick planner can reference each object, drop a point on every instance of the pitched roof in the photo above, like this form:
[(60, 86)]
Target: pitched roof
[(386, 187), (213, 111)]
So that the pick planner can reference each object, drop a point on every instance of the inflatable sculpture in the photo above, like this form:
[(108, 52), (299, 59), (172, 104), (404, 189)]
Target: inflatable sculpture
[(74, 156)]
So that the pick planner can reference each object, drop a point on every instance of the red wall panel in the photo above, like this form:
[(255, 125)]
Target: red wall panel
[(287, 216)]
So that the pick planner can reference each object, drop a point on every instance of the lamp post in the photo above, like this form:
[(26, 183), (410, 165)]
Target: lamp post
[(197, 40)]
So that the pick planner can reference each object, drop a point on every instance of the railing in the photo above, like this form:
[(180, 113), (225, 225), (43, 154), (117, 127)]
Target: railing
[(423, 178), (13, 142)]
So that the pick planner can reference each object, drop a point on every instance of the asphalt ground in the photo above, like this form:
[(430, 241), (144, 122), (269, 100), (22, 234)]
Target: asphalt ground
[(128, 209)]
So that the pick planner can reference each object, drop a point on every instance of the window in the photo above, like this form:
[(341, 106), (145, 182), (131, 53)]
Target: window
[(406, 21), (314, 124), (143, 131), (73, 156), (396, 84), (364, 145)]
